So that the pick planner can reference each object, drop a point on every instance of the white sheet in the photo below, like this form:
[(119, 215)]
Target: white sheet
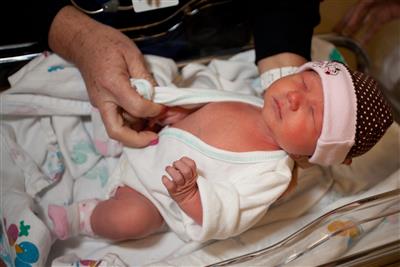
[(47, 156)]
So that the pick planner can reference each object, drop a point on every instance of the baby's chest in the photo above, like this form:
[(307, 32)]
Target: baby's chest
[(219, 125)]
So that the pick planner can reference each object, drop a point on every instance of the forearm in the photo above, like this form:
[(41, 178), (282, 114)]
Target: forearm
[(67, 31), (193, 208), (91, 45)]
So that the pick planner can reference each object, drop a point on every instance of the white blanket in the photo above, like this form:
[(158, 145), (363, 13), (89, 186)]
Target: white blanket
[(48, 156)]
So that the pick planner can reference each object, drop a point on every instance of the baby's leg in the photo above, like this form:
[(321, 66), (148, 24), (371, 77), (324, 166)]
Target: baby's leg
[(128, 215)]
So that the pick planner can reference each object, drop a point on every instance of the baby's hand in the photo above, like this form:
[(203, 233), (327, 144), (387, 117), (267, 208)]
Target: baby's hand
[(182, 188)]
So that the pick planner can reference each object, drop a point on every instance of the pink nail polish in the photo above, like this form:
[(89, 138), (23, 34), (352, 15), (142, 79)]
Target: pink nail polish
[(153, 142)]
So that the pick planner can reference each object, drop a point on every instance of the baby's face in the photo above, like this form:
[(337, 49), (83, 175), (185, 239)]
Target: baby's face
[(293, 111)]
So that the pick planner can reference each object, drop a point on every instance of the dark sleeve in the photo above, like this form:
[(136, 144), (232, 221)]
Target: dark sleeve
[(28, 21), (52, 8), (283, 26)]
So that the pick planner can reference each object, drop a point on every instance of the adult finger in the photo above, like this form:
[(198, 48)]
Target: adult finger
[(118, 130), (137, 68), (339, 27), (373, 23), (357, 17), (354, 18), (132, 102), (137, 124)]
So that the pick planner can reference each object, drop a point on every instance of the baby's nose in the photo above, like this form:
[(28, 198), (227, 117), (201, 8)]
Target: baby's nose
[(294, 99)]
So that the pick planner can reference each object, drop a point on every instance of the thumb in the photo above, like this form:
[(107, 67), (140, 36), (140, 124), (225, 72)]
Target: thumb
[(139, 106), (134, 104), (117, 130)]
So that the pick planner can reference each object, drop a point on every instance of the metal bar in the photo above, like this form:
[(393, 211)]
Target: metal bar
[(309, 227), (18, 58)]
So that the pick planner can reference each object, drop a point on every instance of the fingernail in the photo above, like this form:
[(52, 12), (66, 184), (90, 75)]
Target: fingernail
[(153, 142)]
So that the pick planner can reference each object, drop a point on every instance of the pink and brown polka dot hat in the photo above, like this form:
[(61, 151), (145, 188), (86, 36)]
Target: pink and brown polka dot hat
[(356, 114)]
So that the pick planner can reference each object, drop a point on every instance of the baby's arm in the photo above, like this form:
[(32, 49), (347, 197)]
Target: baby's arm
[(183, 188)]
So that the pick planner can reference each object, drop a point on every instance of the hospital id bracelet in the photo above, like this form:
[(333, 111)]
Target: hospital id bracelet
[(268, 77)]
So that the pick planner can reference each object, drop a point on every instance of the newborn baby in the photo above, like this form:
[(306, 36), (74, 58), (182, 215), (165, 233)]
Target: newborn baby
[(216, 169)]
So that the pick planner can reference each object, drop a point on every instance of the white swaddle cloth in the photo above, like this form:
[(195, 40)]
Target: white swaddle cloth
[(236, 188)]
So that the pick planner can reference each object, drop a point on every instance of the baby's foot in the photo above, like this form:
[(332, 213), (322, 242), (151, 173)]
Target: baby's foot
[(59, 217)]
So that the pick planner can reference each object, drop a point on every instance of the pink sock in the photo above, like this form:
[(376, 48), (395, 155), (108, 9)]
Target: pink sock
[(63, 220), (72, 220), (85, 212)]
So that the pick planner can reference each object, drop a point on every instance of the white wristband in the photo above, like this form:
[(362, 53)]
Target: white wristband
[(268, 77)]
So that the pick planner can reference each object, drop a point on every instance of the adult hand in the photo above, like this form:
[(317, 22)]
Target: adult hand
[(107, 59), (370, 15)]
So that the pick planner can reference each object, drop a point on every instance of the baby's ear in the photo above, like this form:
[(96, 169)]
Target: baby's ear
[(347, 161), (302, 161)]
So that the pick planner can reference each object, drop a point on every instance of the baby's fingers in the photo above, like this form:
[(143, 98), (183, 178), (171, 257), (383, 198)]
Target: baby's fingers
[(191, 165), (176, 175), (184, 169), (169, 184)]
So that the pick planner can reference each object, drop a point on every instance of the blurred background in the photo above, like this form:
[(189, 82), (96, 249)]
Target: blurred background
[(383, 49), (384, 45)]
